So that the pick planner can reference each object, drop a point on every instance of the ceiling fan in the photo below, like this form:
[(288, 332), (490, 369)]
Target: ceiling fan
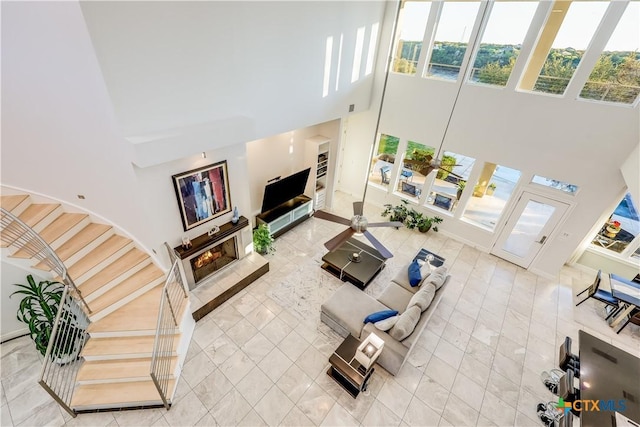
[(358, 225), (430, 164)]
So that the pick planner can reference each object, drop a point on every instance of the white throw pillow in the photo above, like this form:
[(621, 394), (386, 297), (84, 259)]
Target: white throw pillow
[(406, 323), (386, 324), (438, 277), (422, 299)]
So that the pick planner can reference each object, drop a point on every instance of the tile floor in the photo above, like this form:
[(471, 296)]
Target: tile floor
[(256, 362)]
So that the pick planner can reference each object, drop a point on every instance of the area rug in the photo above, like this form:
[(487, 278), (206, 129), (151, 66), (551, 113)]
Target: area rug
[(304, 290)]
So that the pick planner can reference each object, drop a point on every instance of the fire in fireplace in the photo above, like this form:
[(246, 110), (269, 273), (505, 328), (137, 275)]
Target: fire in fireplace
[(214, 259)]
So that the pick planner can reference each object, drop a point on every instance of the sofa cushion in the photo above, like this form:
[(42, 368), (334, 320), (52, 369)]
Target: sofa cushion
[(423, 297), (395, 297), (386, 324), (406, 323), (380, 315), (348, 306), (402, 278), (438, 277), (414, 274)]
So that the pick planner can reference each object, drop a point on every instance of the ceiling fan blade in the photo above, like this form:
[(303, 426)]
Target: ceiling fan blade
[(383, 251), (331, 217), (357, 208), (339, 239), (396, 224)]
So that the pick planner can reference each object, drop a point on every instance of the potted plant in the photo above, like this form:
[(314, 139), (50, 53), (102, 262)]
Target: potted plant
[(490, 189), (38, 309), (461, 185), (262, 240), (426, 223), (397, 213), (413, 219)]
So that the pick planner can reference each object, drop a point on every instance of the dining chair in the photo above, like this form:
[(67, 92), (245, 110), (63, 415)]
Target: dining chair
[(567, 360), (633, 317), (596, 293)]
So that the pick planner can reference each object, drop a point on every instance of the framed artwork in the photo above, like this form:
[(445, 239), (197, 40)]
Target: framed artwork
[(203, 194)]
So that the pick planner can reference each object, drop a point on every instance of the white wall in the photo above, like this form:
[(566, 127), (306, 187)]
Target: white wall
[(170, 64), (10, 326), (59, 135)]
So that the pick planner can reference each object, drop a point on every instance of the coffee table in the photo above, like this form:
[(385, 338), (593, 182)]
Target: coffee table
[(339, 262)]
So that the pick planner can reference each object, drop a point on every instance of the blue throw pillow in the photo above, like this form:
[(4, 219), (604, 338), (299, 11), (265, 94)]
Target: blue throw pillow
[(379, 315), (414, 273)]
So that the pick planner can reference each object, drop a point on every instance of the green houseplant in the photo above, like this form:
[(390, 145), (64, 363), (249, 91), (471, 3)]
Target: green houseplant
[(427, 222), (490, 189), (397, 213), (38, 309), (262, 240)]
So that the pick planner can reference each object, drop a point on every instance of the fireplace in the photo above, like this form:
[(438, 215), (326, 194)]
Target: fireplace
[(213, 259), (211, 253)]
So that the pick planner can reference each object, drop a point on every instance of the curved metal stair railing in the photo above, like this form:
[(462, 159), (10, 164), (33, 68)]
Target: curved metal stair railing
[(62, 360), (174, 295), (69, 334), (17, 233)]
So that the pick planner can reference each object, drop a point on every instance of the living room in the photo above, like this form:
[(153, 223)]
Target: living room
[(108, 100)]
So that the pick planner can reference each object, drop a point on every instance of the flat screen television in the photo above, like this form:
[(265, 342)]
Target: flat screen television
[(284, 189)]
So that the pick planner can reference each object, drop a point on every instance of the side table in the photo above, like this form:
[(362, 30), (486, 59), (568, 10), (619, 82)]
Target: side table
[(347, 371)]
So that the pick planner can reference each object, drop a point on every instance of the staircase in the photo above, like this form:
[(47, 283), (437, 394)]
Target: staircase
[(122, 287)]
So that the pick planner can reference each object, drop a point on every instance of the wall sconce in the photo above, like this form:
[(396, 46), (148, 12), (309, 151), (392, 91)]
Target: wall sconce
[(204, 155), (367, 353)]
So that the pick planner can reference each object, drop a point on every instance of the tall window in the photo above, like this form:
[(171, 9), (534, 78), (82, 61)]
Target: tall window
[(561, 44), (491, 194), (413, 173), (450, 177), (501, 42), (620, 232), (382, 163), (411, 25), (451, 39), (616, 76)]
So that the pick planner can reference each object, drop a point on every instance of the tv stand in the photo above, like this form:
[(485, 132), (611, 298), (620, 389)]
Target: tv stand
[(284, 217)]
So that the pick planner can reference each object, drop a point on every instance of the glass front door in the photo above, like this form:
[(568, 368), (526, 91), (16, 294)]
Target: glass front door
[(528, 228)]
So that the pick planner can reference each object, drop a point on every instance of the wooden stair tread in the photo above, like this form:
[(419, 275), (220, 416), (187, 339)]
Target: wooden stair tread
[(37, 212), (113, 270), (103, 251), (80, 240), (96, 370), (121, 393), (131, 284), (11, 202), (53, 231), (140, 314), (122, 345)]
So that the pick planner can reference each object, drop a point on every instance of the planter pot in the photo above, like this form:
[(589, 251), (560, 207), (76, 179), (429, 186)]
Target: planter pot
[(490, 191), (424, 229)]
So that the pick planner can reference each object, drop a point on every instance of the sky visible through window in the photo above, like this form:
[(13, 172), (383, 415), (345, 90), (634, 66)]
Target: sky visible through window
[(572, 34)]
